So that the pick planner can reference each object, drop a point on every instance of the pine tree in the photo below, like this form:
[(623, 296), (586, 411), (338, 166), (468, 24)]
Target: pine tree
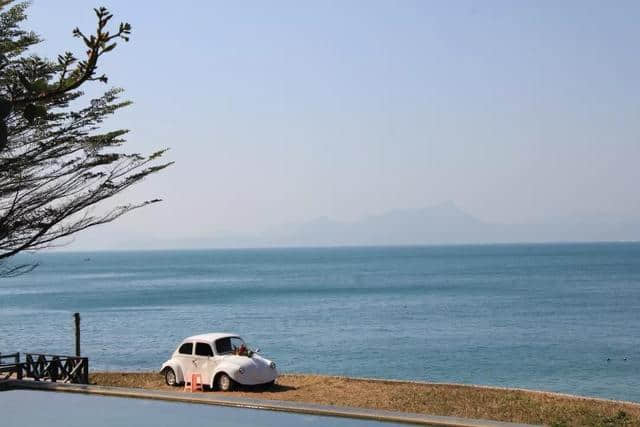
[(56, 166)]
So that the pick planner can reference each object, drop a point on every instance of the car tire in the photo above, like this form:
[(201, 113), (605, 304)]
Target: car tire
[(224, 383), (170, 377)]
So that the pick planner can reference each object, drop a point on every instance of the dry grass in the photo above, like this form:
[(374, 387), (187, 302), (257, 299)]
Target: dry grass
[(434, 399)]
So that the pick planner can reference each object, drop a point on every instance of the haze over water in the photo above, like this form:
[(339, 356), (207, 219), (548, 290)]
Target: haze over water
[(282, 112), (535, 316)]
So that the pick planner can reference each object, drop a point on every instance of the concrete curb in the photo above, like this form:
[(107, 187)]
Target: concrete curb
[(270, 405)]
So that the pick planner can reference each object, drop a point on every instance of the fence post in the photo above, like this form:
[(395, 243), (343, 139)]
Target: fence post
[(85, 371), (76, 317), (18, 367)]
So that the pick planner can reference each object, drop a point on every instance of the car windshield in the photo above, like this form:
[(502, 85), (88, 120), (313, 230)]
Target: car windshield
[(229, 345)]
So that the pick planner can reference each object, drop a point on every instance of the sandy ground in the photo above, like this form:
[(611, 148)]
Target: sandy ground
[(434, 399)]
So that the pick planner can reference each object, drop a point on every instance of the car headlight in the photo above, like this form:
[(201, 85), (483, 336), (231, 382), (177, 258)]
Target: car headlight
[(241, 370), (273, 365)]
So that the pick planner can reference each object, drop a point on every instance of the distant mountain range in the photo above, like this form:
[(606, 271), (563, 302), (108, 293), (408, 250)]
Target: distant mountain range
[(440, 224)]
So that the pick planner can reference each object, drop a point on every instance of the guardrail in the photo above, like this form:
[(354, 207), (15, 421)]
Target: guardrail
[(10, 368), (46, 367)]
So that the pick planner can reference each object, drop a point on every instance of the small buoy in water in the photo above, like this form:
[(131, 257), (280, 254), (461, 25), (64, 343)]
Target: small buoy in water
[(608, 359), (625, 359)]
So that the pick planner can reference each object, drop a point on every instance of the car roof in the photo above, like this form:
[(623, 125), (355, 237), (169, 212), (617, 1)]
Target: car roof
[(210, 337)]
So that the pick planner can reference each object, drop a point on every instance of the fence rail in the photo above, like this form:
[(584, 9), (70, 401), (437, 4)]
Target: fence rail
[(46, 367), (10, 365)]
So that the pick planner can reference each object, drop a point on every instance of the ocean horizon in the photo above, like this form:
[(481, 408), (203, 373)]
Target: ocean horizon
[(560, 317), (64, 249)]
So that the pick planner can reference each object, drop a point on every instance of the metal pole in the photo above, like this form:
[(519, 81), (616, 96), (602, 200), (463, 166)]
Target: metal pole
[(76, 317)]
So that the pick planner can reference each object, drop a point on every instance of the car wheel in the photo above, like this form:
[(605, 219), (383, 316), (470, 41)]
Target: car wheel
[(224, 382), (170, 377)]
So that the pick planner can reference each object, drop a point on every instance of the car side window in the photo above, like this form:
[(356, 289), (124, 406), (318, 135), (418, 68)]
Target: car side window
[(203, 349), (186, 348), (223, 345)]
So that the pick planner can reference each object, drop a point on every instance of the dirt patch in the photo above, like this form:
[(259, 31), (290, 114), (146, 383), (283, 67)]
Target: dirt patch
[(433, 399)]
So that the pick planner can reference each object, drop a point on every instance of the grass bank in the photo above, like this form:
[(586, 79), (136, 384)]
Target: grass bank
[(435, 399)]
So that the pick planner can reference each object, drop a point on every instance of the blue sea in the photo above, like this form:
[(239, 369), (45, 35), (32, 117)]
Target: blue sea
[(559, 317)]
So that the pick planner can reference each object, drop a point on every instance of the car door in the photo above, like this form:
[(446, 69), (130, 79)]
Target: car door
[(203, 361), (185, 359), (218, 355)]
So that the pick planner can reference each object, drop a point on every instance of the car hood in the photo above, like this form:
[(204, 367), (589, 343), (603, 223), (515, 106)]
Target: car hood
[(247, 362)]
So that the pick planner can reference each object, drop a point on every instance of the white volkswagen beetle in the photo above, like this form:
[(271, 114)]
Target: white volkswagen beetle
[(222, 360)]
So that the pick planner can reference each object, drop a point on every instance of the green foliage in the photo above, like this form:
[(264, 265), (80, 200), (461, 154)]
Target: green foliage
[(56, 166)]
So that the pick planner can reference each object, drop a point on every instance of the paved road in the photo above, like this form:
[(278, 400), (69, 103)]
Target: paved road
[(27, 408)]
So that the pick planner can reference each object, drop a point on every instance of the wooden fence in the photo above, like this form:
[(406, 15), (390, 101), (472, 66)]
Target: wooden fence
[(46, 367)]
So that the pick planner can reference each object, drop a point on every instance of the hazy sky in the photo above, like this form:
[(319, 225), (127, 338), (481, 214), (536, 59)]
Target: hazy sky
[(279, 112)]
